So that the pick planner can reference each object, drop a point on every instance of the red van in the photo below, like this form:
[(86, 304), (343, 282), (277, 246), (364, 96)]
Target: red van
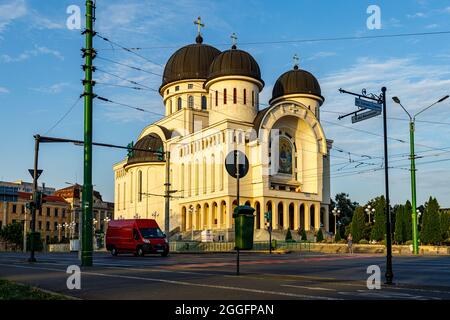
[(138, 236)]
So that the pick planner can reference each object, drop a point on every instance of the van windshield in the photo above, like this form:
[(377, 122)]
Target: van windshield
[(148, 233)]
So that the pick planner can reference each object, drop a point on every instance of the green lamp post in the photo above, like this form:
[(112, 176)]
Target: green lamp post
[(412, 120)]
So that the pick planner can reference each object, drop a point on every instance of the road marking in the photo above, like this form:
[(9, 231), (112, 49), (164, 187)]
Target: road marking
[(184, 283), (309, 288), (387, 294)]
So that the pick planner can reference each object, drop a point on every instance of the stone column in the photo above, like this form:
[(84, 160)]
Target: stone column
[(296, 216), (307, 217), (316, 217), (229, 214), (285, 215), (274, 215), (219, 215)]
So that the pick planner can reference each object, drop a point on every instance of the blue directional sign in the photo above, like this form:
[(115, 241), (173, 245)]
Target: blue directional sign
[(365, 104), (365, 115)]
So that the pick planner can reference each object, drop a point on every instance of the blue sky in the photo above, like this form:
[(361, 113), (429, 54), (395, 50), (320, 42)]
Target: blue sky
[(40, 79)]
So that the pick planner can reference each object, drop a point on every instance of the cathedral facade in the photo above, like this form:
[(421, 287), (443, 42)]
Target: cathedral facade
[(212, 107)]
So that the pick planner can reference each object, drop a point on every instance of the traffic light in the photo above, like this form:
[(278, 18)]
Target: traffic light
[(160, 154), (39, 199), (29, 205), (130, 147), (268, 216)]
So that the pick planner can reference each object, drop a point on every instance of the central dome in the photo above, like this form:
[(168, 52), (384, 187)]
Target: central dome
[(189, 62), (235, 62)]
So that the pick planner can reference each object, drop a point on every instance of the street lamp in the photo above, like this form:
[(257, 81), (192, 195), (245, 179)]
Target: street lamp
[(418, 216), (412, 120), (66, 226), (336, 212), (59, 226), (191, 212), (370, 210)]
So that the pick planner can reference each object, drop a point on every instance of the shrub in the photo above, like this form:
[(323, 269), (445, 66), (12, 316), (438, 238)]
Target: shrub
[(13, 233), (379, 228), (288, 235), (337, 236), (319, 236), (363, 241), (304, 236), (409, 242)]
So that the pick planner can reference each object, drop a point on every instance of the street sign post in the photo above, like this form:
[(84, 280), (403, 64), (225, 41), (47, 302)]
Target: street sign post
[(365, 115)]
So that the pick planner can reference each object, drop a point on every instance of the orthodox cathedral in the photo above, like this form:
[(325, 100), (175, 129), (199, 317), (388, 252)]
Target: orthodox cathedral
[(212, 108)]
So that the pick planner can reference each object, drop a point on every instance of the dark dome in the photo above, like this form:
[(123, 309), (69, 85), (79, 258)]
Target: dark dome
[(149, 142), (234, 62), (189, 62), (296, 81)]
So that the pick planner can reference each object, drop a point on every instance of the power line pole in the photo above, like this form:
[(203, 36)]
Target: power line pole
[(35, 200), (389, 274), (87, 196), (167, 196)]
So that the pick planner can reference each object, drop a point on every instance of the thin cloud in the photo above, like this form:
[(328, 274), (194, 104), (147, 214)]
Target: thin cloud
[(38, 50), (3, 90), (11, 11), (53, 89)]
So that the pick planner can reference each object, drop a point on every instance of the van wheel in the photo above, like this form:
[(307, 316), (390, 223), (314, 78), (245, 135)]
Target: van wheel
[(140, 252), (114, 252)]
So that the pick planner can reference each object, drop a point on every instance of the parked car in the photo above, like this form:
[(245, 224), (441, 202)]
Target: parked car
[(137, 236)]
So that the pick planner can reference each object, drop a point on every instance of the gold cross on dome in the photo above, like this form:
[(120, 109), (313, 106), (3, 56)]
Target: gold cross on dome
[(199, 24), (296, 60), (234, 39)]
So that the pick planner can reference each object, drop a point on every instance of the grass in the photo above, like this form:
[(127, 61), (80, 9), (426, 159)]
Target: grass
[(13, 291)]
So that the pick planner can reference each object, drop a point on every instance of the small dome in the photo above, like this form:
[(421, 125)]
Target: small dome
[(296, 81), (149, 142), (235, 62), (189, 62)]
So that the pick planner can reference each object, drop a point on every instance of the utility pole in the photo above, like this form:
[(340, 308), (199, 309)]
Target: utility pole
[(370, 105), (389, 274), (35, 200), (87, 197), (167, 196)]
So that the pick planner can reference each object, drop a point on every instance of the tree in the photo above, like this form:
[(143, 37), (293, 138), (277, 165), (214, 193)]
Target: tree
[(408, 221), (13, 233), (319, 237), (379, 227), (400, 232), (346, 206), (431, 229), (445, 224), (358, 224)]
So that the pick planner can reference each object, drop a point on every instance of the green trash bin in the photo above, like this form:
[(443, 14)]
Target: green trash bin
[(35, 241), (244, 222)]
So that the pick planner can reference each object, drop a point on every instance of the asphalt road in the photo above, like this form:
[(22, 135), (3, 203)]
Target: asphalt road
[(213, 276)]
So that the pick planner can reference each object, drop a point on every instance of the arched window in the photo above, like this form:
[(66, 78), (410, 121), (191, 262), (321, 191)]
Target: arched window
[(170, 106), (191, 102), (203, 102), (245, 96), (140, 186), (253, 98), (224, 96), (217, 97), (131, 187), (285, 156), (205, 179), (124, 195), (180, 103), (118, 196), (234, 96), (221, 168)]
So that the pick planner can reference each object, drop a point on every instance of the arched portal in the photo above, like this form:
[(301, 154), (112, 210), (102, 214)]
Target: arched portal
[(291, 216), (198, 220), (280, 215), (214, 214), (258, 215), (302, 216), (312, 215)]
